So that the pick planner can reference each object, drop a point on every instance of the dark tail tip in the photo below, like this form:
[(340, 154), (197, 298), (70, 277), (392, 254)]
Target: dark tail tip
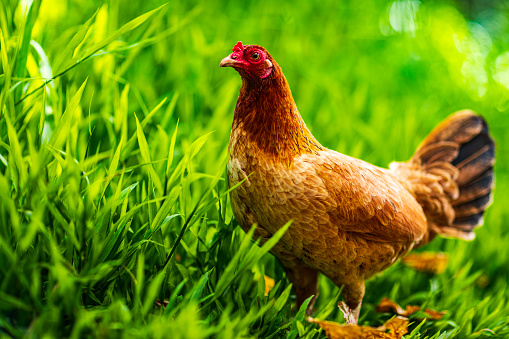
[(475, 162)]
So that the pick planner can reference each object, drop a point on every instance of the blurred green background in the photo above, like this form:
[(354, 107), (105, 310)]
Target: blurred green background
[(82, 242)]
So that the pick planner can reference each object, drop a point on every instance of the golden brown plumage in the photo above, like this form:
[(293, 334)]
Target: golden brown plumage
[(351, 219)]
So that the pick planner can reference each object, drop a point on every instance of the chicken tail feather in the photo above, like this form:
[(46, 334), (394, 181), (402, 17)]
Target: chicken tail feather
[(451, 175), (473, 163)]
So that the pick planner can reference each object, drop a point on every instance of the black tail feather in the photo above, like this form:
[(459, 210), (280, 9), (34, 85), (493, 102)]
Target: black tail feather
[(463, 141), (477, 188), (475, 181)]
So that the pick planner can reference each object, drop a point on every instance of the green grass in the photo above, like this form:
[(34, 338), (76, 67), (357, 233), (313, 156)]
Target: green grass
[(114, 125)]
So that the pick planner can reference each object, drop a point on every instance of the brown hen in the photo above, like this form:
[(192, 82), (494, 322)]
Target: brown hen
[(351, 219)]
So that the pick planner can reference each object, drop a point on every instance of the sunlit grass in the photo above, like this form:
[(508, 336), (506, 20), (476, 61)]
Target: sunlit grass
[(114, 126)]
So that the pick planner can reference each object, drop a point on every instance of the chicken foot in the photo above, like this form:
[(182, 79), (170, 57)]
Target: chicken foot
[(351, 307)]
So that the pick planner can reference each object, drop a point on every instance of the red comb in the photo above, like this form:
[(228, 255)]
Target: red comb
[(238, 47)]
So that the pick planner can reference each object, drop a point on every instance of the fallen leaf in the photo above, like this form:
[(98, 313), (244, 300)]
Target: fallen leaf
[(435, 315), (163, 304), (269, 283), (428, 262), (395, 328), (387, 306)]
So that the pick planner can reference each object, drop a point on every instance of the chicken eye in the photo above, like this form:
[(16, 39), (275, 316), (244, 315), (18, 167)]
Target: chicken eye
[(255, 56)]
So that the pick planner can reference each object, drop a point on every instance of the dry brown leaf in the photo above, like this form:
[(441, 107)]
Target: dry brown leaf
[(388, 306), (435, 315), (428, 262), (269, 283), (395, 328), (163, 303)]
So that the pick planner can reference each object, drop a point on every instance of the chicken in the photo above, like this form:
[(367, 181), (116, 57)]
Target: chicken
[(350, 219)]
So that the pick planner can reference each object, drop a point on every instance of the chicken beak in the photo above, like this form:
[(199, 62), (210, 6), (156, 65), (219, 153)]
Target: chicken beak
[(228, 62)]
